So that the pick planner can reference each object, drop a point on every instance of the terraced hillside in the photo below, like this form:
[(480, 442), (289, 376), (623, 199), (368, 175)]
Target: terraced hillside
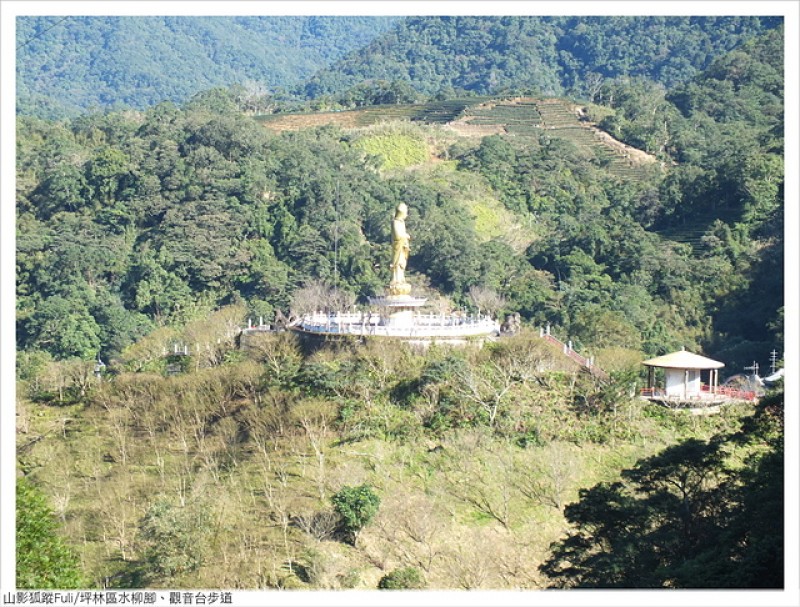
[(475, 116), (438, 112), (693, 231), (525, 117)]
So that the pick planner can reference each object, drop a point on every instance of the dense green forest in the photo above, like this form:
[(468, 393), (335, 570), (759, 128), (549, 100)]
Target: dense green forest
[(131, 220), (68, 65), (538, 55), (258, 462)]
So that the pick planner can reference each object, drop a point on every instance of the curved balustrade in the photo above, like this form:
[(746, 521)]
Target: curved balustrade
[(719, 393), (424, 325)]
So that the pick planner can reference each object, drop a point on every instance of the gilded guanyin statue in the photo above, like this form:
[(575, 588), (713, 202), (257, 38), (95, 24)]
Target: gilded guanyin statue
[(400, 251)]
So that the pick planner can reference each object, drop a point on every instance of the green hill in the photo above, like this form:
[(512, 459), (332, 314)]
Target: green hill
[(251, 460), (538, 55), (525, 119), (128, 221), (66, 65)]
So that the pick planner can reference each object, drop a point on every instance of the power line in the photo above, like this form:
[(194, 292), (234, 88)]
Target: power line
[(32, 38)]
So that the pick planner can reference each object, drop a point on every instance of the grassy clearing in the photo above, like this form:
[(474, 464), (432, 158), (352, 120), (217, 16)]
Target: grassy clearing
[(440, 497), (473, 193), (395, 150), (255, 462)]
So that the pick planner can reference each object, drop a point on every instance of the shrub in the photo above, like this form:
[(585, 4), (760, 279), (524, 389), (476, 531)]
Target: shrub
[(43, 560), (405, 578), (175, 537), (357, 506)]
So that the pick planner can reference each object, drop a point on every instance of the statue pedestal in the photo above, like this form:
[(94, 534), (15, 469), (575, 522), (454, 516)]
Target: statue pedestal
[(401, 289), (398, 310), (401, 319)]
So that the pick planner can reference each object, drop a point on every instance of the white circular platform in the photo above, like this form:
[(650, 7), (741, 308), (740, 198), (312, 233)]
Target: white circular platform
[(419, 326), (398, 301)]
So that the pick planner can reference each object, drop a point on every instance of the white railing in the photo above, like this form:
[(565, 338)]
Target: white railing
[(424, 325)]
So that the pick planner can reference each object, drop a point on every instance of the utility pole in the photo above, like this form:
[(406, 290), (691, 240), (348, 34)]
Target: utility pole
[(773, 361), (753, 368), (336, 238)]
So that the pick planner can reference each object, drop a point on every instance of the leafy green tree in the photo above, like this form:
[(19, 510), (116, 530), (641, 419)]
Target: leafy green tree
[(64, 188), (404, 578), (158, 291), (685, 517), (66, 328), (119, 327), (105, 172), (378, 92), (357, 506), (446, 248), (43, 558), (175, 537)]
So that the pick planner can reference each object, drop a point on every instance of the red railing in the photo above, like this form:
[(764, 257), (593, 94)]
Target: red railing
[(733, 393), (568, 351), (730, 392)]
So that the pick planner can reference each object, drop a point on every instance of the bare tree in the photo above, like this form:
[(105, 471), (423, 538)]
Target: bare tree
[(547, 477), (280, 498), (340, 299), (55, 380), (423, 524), (320, 524), (210, 339), (80, 375), (279, 353), (118, 514), (487, 385), (149, 349), (317, 296), (486, 300), (515, 559), (485, 482), (593, 82), (494, 382), (469, 561), (119, 418), (314, 418), (253, 97), (311, 297)]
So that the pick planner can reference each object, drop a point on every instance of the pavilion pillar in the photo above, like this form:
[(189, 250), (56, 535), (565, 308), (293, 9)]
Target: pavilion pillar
[(685, 383)]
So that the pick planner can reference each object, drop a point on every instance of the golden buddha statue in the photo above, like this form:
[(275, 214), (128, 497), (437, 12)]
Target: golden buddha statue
[(400, 251)]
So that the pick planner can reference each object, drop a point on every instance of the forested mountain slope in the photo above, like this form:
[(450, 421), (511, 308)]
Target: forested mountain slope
[(67, 65), (131, 220), (540, 55), (255, 462), (724, 132)]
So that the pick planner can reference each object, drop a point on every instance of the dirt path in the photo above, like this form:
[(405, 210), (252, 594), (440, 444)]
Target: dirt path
[(635, 155)]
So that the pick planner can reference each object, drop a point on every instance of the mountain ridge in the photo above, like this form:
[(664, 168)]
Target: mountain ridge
[(66, 66)]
